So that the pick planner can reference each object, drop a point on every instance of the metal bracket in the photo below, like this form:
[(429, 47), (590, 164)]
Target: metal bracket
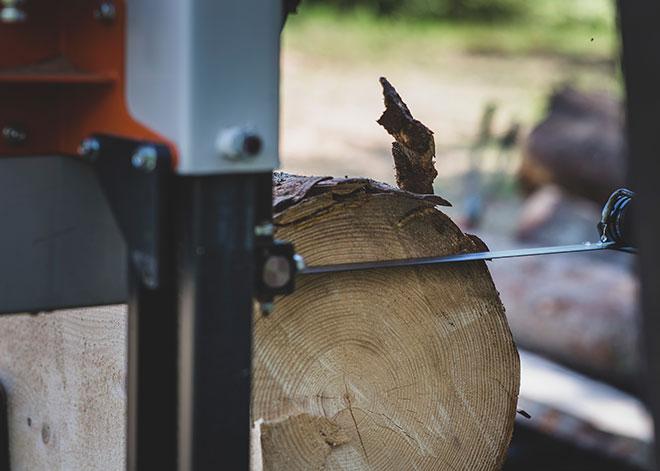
[(276, 267), (133, 175), (616, 223)]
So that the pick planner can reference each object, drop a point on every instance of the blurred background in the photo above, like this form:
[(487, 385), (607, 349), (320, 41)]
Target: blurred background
[(525, 99)]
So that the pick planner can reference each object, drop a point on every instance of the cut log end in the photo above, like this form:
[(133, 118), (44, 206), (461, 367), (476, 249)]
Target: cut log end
[(414, 149), (410, 368)]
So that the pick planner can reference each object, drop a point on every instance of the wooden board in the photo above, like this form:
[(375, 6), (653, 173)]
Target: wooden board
[(64, 374)]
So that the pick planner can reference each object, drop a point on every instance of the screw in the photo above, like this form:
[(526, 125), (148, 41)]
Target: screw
[(89, 149), (299, 261), (265, 229), (11, 13), (145, 158), (106, 12), (239, 143), (267, 308), (14, 135)]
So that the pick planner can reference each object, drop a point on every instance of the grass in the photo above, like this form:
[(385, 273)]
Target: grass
[(579, 29)]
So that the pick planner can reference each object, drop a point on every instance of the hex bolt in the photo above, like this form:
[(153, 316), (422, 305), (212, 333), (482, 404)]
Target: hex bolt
[(145, 158), (106, 12), (239, 143), (14, 135), (267, 308), (89, 149), (11, 11), (265, 229)]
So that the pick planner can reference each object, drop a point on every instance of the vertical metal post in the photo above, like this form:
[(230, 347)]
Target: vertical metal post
[(139, 185), (216, 283), (152, 368), (640, 27)]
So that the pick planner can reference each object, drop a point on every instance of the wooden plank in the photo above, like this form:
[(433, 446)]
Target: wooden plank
[(65, 377)]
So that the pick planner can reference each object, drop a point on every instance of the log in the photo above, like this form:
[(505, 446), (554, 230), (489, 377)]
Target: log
[(579, 146), (408, 368), (575, 310), (580, 413)]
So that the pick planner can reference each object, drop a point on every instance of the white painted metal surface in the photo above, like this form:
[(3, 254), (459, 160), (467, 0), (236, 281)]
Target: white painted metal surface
[(198, 67)]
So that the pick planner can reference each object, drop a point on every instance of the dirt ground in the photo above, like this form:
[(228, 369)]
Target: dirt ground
[(330, 107)]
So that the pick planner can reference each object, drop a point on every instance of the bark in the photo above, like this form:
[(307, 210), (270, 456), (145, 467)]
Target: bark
[(410, 368), (414, 149)]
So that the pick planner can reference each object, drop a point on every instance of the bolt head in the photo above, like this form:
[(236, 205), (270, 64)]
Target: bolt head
[(145, 159), (266, 229), (11, 13), (89, 149), (239, 143), (106, 12), (14, 135), (267, 308), (277, 272)]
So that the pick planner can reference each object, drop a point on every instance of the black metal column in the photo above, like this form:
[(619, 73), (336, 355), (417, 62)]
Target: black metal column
[(139, 186), (640, 26), (216, 284), (152, 353)]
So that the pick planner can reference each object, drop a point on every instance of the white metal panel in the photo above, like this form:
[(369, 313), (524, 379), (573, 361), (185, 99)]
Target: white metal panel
[(198, 67)]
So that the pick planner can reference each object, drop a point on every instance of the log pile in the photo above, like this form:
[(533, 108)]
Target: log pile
[(408, 368)]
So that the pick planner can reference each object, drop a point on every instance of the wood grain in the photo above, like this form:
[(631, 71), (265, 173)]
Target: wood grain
[(412, 368), (64, 373)]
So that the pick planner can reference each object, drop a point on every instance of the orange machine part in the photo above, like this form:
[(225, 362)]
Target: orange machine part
[(62, 78)]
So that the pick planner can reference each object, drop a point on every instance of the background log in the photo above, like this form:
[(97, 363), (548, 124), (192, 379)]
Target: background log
[(579, 146), (411, 368)]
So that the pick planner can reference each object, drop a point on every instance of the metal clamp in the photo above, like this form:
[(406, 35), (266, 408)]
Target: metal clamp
[(277, 265), (615, 223), (134, 176)]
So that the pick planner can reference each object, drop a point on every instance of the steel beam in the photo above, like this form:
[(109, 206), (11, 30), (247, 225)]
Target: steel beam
[(216, 285)]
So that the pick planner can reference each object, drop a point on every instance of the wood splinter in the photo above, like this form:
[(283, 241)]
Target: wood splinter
[(414, 149)]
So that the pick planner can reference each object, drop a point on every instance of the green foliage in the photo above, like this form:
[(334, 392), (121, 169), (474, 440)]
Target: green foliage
[(435, 9), (583, 30)]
